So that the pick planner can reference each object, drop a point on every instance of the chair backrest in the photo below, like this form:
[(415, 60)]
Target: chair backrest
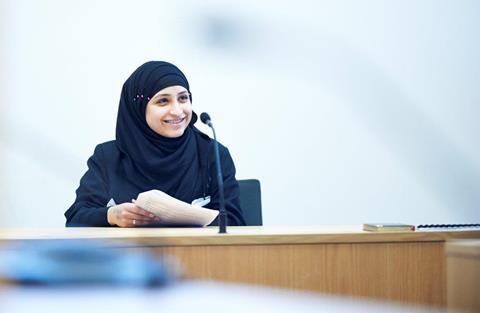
[(251, 201)]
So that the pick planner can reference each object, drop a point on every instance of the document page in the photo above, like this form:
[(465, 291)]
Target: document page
[(172, 211)]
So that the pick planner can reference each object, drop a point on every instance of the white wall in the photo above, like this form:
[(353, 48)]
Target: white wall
[(347, 111)]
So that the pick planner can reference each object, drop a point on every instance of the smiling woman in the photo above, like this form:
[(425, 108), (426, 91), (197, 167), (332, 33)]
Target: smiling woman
[(156, 147)]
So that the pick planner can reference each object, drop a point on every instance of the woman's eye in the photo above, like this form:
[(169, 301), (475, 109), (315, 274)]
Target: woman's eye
[(183, 98), (162, 101)]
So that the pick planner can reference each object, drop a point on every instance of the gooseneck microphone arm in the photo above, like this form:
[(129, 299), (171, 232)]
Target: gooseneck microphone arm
[(222, 216)]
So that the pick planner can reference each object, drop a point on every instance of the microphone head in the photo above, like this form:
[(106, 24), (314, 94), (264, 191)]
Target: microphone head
[(205, 118)]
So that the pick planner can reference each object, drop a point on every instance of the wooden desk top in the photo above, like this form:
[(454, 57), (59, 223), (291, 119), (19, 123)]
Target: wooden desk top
[(254, 235)]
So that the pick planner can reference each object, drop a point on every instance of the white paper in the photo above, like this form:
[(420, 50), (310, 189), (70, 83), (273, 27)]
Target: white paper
[(172, 211)]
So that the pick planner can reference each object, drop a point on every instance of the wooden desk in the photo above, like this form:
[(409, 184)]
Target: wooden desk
[(463, 275), (408, 267)]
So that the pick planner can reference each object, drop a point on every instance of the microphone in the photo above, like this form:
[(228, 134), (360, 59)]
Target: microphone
[(222, 216), (205, 118)]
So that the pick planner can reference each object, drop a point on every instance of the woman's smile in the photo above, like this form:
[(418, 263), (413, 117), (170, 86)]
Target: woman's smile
[(175, 121)]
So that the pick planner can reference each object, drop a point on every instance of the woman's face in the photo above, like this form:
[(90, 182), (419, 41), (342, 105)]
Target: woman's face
[(169, 111)]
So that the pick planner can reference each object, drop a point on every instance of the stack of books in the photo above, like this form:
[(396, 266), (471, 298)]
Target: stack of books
[(387, 227)]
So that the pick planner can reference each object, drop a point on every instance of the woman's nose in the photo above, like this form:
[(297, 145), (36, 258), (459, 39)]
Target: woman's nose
[(175, 108)]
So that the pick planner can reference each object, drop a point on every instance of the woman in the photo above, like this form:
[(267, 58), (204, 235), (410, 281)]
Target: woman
[(156, 147)]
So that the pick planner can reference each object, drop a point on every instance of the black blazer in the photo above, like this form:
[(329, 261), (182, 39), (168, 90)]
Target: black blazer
[(105, 180)]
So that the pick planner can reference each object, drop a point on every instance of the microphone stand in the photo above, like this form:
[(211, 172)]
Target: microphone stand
[(222, 216)]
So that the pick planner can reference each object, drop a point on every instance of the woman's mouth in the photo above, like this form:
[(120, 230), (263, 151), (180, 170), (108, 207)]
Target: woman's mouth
[(175, 121)]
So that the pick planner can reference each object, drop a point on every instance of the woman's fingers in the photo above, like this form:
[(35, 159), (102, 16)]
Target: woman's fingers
[(134, 222), (132, 216), (129, 215), (139, 211)]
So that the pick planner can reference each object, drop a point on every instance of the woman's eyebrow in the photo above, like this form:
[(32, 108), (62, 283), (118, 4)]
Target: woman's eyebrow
[(169, 95)]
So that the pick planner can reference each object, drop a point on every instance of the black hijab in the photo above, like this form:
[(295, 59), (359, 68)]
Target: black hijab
[(169, 164)]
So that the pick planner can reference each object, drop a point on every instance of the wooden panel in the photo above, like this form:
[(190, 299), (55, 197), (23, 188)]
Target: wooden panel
[(463, 275), (405, 272)]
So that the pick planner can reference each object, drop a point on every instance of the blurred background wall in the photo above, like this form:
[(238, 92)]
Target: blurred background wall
[(347, 111)]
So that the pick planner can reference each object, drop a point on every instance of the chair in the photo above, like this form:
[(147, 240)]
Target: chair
[(251, 201)]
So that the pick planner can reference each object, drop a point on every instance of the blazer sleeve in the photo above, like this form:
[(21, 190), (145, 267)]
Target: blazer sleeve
[(89, 208), (231, 190)]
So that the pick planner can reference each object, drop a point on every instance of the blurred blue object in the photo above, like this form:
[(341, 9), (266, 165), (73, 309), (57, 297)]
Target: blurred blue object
[(76, 262)]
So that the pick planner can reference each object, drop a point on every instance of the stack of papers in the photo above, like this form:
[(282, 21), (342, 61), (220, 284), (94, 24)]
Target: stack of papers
[(174, 212)]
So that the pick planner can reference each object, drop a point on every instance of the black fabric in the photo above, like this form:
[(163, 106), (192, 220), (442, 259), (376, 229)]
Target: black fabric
[(140, 159)]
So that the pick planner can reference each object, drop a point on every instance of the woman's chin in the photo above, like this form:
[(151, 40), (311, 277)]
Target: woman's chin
[(173, 133)]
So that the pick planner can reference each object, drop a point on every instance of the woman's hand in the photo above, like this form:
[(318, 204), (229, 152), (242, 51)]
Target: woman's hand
[(129, 215)]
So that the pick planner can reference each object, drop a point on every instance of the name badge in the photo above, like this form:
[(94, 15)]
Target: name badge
[(201, 201)]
